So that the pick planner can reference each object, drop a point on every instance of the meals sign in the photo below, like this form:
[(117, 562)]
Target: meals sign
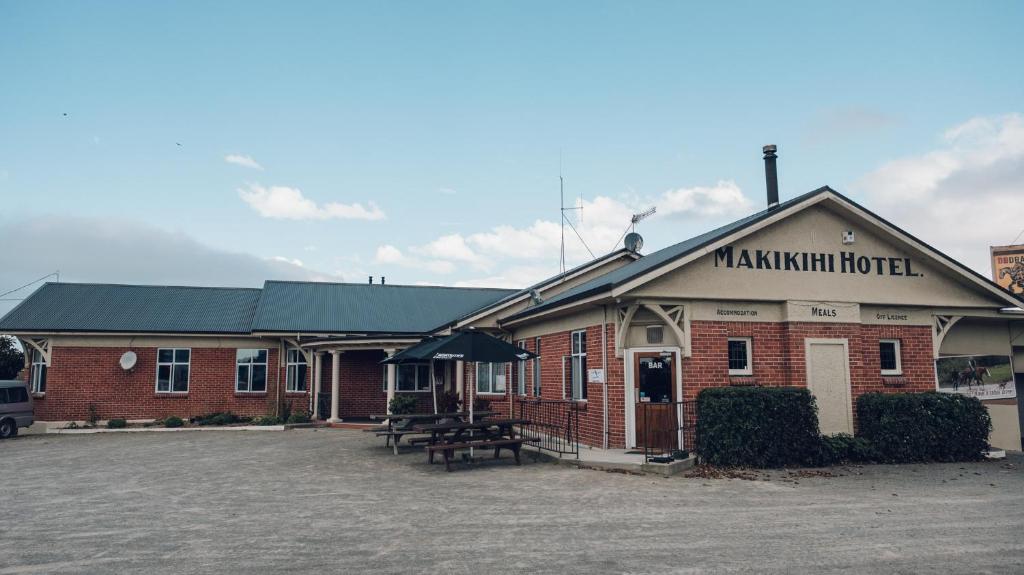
[(842, 263)]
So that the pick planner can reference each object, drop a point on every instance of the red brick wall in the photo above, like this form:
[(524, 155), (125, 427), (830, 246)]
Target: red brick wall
[(82, 376), (778, 356), (778, 360), (361, 392), (556, 346)]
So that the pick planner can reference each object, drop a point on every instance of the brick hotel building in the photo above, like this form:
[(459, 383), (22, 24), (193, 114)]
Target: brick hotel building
[(816, 291)]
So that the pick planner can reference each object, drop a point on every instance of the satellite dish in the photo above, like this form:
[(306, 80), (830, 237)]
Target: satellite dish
[(634, 242), (128, 360)]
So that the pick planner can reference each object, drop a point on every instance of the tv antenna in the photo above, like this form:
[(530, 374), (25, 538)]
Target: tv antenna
[(565, 219), (636, 241)]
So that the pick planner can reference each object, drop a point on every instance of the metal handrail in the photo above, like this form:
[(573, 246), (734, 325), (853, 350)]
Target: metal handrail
[(555, 424)]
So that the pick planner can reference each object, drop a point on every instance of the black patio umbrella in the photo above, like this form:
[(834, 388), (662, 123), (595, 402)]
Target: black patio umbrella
[(470, 345)]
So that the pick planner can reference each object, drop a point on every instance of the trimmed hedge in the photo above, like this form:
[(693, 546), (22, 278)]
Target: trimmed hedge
[(909, 427), (116, 423), (758, 427)]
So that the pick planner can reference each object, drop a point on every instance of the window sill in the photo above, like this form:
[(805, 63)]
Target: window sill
[(491, 393), (296, 392), (171, 394), (250, 394), (39, 395), (894, 381)]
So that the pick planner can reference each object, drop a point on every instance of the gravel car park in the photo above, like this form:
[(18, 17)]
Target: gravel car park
[(338, 501)]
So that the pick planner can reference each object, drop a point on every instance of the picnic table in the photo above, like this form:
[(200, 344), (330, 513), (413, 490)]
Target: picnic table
[(494, 433), (398, 425)]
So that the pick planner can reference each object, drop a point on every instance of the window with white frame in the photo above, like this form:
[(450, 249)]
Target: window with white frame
[(536, 367), (38, 377), (251, 370), (295, 371), (578, 367), (740, 356), (409, 377), (490, 378), (521, 372), (172, 369), (889, 357)]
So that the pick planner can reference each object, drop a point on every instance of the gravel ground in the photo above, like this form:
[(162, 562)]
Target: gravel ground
[(337, 501)]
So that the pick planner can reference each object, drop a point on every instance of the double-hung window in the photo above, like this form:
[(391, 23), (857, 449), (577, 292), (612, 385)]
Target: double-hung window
[(172, 369), (295, 373), (536, 367), (578, 366), (410, 377), (38, 372), (490, 378), (521, 372), (251, 370), (889, 357)]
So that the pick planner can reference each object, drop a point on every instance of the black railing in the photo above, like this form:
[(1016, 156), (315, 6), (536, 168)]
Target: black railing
[(554, 424), (666, 431)]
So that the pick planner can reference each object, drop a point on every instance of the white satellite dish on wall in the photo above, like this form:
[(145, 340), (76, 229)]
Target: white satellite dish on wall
[(128, 360)]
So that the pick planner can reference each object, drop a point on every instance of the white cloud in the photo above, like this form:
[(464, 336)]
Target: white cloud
[(723, 199), (447, 191), (293, 261), (390, 255), (961, 197), (601, 224), (282, 202), (242, 160), (450, 247)]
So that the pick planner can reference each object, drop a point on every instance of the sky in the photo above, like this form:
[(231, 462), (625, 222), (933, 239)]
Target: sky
[(225, 143)]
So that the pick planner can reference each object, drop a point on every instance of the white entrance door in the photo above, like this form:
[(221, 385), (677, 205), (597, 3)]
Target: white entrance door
[(828, 379)]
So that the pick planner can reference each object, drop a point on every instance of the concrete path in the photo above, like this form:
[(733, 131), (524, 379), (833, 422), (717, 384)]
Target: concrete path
[(334, 501)]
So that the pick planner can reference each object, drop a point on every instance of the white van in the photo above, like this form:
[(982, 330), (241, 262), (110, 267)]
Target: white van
[(15, 407)]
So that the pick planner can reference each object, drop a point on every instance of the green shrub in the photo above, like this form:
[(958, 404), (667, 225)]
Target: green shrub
[(758, 427), (93, 417), (298, 417), (116, 423), (173, 421), (907, 427), (845, 448), (449, 402), (216, 418), (402, 404), (481, 404), (266, 420)]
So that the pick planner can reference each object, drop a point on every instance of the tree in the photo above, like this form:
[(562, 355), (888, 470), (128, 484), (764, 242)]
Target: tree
[(12, 359)]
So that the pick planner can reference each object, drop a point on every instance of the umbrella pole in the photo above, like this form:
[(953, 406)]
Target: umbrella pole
[(433, 386), (471, 402)]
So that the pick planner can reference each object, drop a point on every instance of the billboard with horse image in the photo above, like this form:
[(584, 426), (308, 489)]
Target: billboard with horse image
[(1008, 268), (981, 376)]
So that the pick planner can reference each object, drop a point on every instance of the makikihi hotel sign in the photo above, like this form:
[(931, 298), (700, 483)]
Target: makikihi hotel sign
[(843, 262)]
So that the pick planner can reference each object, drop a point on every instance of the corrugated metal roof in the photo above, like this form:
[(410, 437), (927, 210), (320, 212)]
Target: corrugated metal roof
[(313, 307), (75, 307), (649, 262)]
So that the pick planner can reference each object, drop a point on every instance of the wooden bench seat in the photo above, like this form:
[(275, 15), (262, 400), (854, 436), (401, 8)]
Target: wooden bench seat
[(448, 449)]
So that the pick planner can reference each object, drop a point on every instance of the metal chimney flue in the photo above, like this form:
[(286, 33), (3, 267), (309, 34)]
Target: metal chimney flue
[(771, 176), (371, 280), (381, 280)]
